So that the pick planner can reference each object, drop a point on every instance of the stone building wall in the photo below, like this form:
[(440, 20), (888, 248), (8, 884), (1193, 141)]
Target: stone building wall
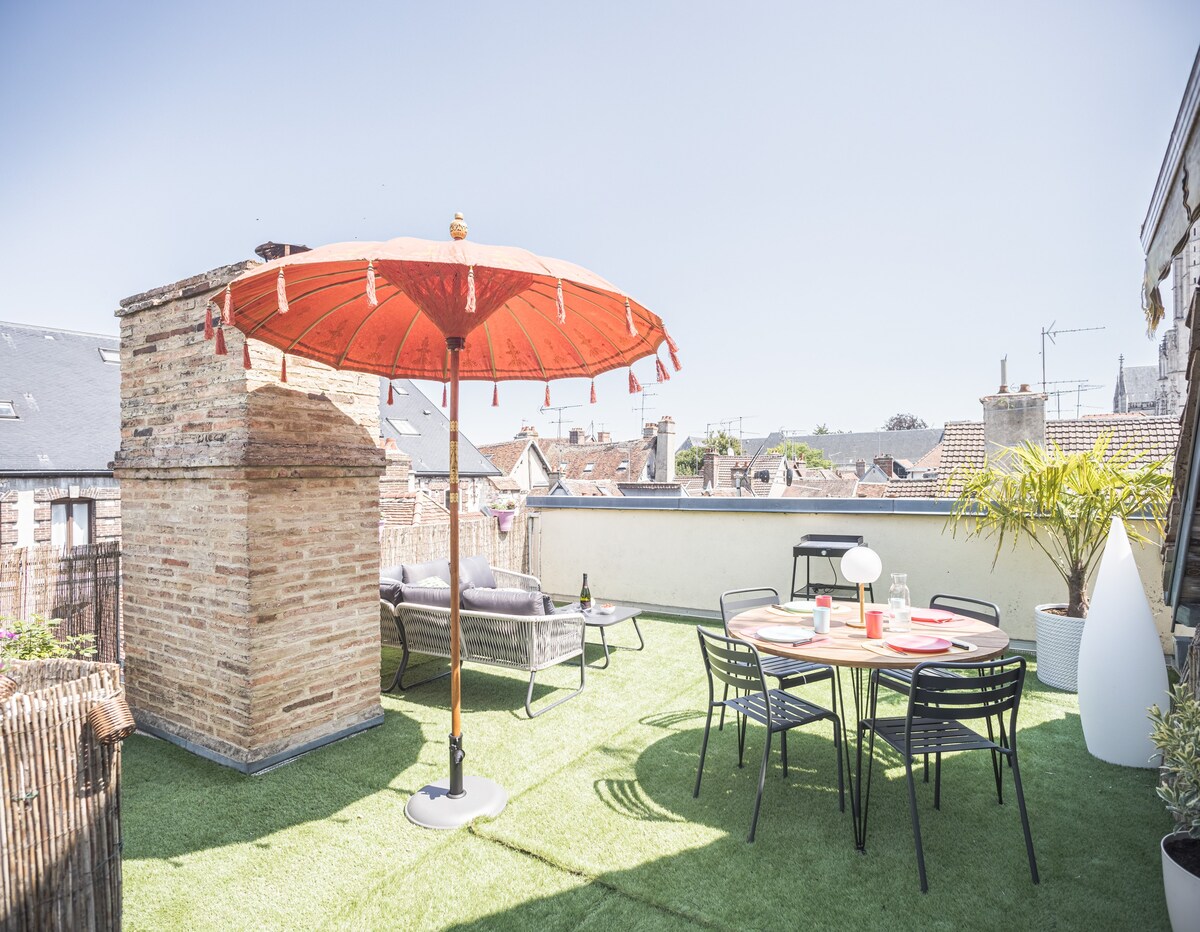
[(106, 508), (250, 537)]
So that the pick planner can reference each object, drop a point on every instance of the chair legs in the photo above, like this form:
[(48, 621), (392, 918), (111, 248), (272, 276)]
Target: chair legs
[(703, 751), (762, 779), (571, 695), (916, 823), (1016, 771)]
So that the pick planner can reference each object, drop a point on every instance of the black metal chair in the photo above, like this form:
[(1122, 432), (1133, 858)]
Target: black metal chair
[(789, 672), (737, 664), (901, 680), (933, 724)]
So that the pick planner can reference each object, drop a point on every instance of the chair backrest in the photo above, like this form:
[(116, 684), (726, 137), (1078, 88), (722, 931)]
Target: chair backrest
[(734, 662), (736, 601), (995, 688), (971, 608)]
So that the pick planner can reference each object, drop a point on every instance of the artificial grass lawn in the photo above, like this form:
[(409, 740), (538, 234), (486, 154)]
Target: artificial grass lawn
[(602, 832)]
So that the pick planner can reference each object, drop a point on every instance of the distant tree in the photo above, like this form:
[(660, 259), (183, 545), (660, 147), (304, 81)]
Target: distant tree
[(904, 422), (688, 462), (793, 450), (822, 430)]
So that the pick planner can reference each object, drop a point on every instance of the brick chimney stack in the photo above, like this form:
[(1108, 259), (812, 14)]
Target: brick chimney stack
[(603, 436), (708, 470), (1012, 418), (649, 430), (664, 450), (526, 432), (860, 468), (884, 461), (576, 435)]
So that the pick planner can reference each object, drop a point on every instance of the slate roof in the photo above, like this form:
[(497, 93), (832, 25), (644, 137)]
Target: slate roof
[(430, 446), (962, 444), (67, 400), (1141, 386)]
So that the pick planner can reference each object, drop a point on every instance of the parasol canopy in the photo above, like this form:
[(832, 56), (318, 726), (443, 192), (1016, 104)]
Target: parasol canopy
[(445, 311), (388, 307)]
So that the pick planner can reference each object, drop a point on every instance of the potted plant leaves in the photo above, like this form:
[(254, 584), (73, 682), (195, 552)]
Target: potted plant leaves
[(1063, 504), (504, 512), (1177, 735)]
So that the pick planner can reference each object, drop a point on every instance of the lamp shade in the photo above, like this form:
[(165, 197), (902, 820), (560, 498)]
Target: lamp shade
[(861, 565)]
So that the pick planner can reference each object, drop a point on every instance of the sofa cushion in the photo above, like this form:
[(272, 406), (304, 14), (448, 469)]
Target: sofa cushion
[(477, 573), (503, 601), (389, 589), (392, 572), (425, 595), (414, 572), (548, 606)]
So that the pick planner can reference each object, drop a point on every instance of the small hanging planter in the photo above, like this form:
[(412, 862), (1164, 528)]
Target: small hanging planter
[(504, 515)]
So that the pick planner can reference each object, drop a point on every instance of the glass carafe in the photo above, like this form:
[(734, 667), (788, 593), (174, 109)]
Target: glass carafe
[(899, 603)]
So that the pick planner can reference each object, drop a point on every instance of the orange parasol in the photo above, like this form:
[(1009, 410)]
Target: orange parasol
[(446, 311)]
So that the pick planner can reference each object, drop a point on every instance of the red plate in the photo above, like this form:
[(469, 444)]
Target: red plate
[(918, 644), (933, 616)]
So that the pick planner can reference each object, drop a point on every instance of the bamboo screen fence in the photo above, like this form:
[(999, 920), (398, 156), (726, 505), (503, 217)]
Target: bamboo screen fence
[(477, 535), (80, 586), (60, 815)]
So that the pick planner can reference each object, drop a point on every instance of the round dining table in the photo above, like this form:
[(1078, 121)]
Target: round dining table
[(846, 645)]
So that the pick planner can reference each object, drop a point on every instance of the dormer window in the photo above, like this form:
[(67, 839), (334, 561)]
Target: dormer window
[(624, 464)]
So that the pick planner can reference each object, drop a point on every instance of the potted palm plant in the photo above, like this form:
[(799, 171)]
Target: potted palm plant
[(1062, 503), (1177, 735)]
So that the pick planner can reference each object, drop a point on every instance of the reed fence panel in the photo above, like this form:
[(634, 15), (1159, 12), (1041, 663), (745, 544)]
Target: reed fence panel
[(477, 535), (60, 813), (80, 586)]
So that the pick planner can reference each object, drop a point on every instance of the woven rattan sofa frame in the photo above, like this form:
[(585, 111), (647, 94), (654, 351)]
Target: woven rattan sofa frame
[(519, 642)]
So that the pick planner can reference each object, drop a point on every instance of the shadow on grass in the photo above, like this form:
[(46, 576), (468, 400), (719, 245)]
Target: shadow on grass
[(176, 803), (1095, 829)]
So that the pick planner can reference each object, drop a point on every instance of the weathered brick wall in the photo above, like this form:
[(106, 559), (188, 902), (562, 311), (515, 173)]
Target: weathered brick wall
[(250, 536), (106, 512)]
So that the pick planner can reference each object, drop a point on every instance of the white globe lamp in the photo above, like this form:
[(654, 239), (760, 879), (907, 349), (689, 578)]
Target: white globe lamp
[(861, 565)]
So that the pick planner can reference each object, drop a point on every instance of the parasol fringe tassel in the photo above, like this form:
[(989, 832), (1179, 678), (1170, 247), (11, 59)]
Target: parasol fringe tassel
[(283, 369), (471, 290), (281, 293), (495, 395), (674, 350), (547, 404), (371, 299), (558, 303), (629, 319), (389, 392), (634, 385), (220, 347), (663, 374), (227, 311), (443, 395), (245, 355), (593, 391), (208, 321)]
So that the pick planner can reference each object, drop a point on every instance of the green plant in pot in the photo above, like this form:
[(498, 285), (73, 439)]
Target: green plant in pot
[(1177, 735), (1063, 504)]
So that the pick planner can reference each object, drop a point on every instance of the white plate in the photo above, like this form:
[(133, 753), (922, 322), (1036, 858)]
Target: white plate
[(802, 607), (604, 610), (785, 634)]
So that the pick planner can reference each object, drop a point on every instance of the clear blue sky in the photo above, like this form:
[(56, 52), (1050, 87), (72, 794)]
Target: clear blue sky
[(840, 210)]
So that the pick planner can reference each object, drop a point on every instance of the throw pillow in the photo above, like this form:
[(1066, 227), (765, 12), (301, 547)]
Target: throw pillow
[(415, 571), (432, 582), (477, 572)]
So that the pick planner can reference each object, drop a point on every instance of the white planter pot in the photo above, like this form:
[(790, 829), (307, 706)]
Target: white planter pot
[(1058, 639), (1183, 892)]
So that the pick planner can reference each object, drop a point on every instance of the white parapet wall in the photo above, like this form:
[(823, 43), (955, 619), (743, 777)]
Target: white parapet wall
[(679, 555)]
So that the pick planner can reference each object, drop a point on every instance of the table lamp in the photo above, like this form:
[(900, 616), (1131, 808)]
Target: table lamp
[(861, 565)]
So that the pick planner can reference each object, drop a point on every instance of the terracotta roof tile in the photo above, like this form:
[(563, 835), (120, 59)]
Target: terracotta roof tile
[(504, 455)]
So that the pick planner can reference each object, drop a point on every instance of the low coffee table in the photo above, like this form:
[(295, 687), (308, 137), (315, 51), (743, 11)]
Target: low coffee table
[(594, 619)]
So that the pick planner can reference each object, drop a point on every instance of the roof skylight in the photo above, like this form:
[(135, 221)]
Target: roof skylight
[(401, 426), (8, 411), (109, 355)]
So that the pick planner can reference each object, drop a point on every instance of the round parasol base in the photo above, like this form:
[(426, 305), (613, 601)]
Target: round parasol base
[(432, 807)]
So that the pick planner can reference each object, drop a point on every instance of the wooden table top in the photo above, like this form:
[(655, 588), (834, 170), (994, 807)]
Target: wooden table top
[(843, 646)]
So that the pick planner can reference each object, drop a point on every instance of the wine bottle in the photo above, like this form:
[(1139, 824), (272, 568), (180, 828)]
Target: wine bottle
[(585, 595)]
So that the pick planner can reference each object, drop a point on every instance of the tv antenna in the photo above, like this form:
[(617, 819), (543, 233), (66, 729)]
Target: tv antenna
[(645, 394), (1052, 333), (1081, 386), (560, 409)]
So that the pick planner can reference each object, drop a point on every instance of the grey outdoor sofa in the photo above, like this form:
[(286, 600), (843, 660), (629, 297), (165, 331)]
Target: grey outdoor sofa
[(520, 635)]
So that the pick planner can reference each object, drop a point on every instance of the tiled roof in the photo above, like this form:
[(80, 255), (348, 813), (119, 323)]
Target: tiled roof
[(845, 449), (838, 487), (768, 462), (66, 397), (931, 460), (572, 459), (962, 445), (504, 456)]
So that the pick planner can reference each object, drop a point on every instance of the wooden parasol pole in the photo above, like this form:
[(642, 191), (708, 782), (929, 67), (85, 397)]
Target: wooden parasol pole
[(454, 345)]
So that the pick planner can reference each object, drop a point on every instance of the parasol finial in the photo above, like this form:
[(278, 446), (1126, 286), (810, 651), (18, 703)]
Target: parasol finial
[(458, 227)]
